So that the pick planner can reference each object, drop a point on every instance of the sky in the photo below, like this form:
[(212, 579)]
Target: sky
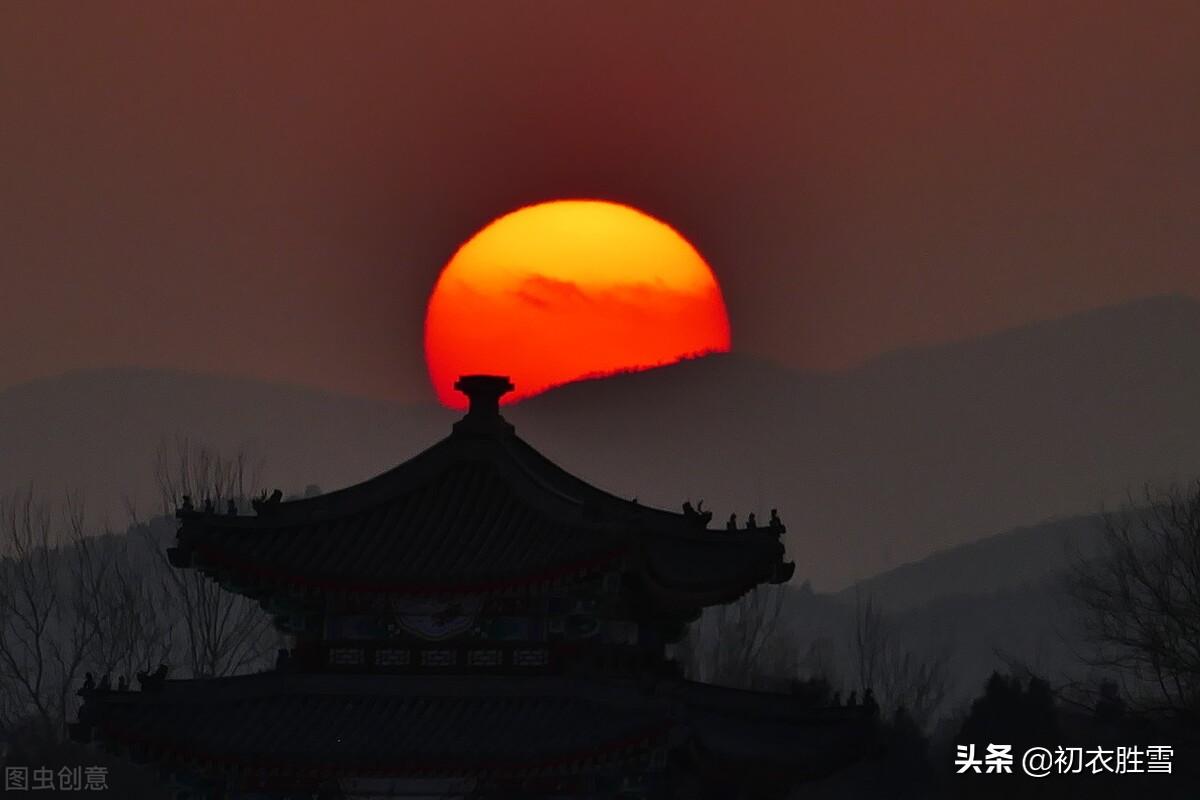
[(271, 189)]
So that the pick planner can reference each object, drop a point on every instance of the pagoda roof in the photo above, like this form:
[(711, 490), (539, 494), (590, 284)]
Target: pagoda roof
[(479, 511), (446, 726)]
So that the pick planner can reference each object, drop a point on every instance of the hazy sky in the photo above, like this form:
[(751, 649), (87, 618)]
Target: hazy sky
[(271, 190)]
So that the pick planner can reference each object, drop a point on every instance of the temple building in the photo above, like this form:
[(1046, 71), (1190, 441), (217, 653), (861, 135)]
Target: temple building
[(475, 623)]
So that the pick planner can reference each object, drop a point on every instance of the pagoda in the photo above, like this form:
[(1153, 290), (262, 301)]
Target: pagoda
[(475, 623)]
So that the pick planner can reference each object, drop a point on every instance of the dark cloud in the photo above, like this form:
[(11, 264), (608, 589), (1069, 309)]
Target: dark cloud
[(541, 291)]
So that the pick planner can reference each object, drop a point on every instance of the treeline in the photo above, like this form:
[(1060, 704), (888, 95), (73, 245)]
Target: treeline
[(1137, 602), (110, 606)]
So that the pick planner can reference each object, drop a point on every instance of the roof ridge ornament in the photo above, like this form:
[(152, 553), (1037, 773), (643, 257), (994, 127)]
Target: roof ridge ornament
[(483, 411)]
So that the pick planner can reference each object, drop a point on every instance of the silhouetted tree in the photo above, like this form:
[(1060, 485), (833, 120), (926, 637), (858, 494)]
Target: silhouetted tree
[(743, 644), (899, 677), (133, 627), (1011, 711), (52, 577), (1140, 598), (29, 603), (223, 632)]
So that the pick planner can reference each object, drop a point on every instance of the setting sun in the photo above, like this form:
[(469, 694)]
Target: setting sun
[(558, 291)]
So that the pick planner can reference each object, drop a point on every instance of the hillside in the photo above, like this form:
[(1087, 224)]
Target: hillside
[(991, 604), (907, 455), (1004, 562), (99, 431), (912, 453)]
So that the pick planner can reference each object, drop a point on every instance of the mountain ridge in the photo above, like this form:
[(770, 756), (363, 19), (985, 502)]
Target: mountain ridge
[(870, 468)]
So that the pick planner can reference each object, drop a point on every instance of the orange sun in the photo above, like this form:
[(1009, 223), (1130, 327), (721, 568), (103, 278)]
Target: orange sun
[(566, 289)]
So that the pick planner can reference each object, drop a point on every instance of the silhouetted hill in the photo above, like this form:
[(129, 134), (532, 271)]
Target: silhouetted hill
[(98, 431), (1000, 563), (911, 453), (914, 452), (992, 604)]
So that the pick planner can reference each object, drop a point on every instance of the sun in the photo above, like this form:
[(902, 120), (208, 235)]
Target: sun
[(567, 289)]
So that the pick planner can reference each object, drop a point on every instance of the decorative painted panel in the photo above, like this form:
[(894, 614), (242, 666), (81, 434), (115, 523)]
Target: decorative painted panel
[(393, 657), (531, 657), (438, 658), (485, 658), (346, 656), (435, 619)]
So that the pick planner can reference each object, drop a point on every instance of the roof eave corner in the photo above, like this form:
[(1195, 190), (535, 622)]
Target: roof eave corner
[(784, 570)]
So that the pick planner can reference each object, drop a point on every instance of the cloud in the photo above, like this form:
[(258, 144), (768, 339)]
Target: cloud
[(544, 293)]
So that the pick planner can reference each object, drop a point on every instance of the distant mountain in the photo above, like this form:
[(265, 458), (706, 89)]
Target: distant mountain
[(995, 603), (1005, 562), (914, 452), (99, 431)]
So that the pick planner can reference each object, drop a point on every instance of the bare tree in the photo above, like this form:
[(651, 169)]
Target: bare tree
[(870, 643), (1140, 599), (224, 633), (28, 603), (743, 644), (134, 629), (72, 603), (83, 568), (184, 468), (898, 676), (50, 577)]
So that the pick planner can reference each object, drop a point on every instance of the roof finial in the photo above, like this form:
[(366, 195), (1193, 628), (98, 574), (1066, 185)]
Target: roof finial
[(483, 393)]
